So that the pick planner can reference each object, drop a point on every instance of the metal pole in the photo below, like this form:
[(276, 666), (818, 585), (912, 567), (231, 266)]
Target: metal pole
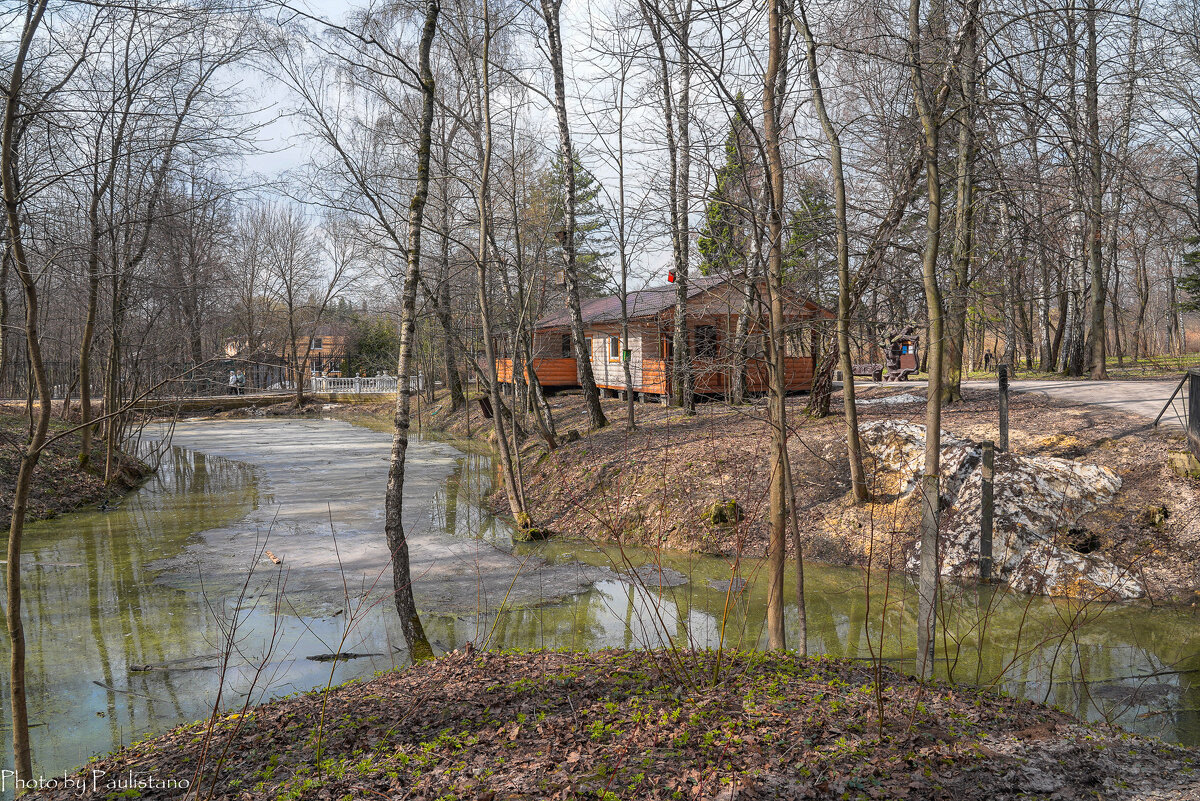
[(987, 510), (1170, 400), (1002, 370)]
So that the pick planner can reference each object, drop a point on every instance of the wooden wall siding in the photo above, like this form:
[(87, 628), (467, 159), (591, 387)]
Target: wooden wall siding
[(549, 345), (724, 301), (798, 374), (710, 377), (654, 376), (609, 374), (550, 372)]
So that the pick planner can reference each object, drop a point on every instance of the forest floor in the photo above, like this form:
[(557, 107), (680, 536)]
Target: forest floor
[(59, 484), (657, 485), (640, 725)]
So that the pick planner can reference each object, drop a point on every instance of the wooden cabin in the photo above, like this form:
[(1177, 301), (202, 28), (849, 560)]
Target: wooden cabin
[(714, 306), (901, 355)]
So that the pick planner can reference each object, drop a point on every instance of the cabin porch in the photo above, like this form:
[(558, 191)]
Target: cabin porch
[(551, 373)]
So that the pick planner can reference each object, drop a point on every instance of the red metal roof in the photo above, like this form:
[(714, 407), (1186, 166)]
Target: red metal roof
[(642, 304)]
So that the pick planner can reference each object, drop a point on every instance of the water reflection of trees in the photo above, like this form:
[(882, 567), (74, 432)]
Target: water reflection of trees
[(92, 621), (95, 610), (1051, 650), (456, 510)]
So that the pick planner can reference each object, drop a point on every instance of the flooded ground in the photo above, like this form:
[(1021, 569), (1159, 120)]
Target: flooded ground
[(150, 614)]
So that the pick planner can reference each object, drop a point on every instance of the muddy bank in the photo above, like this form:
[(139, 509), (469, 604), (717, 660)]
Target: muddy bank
[(59, 484), (670, 483), (642, 725)]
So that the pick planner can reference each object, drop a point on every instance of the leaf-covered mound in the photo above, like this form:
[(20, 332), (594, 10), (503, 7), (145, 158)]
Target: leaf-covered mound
[(59, 484), (642, 725)]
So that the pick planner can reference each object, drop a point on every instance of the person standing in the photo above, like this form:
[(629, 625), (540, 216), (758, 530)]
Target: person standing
[(241, 383), (233, 383)]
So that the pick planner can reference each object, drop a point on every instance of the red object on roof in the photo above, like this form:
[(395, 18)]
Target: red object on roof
[(670, 276)]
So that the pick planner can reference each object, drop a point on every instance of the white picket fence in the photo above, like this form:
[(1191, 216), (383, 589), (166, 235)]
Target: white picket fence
[(363, 386)]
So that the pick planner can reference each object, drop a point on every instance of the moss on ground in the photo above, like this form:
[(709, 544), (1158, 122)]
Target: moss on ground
[(642, 725)]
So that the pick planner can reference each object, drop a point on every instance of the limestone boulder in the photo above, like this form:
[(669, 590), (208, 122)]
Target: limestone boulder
[(1038, 501)]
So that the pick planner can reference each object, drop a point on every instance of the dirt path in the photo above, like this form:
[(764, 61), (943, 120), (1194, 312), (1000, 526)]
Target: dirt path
[(1142, 398)]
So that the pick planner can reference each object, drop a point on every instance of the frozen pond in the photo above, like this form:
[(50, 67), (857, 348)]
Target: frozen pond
[(176, 580)]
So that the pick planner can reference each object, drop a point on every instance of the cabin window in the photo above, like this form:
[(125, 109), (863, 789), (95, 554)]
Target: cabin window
[(706, 341), (668, 346), (317, 343), (566, 346), (793, 345), (614, 349)]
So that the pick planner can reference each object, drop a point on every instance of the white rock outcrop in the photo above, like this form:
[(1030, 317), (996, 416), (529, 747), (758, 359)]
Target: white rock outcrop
[(1035, 498)]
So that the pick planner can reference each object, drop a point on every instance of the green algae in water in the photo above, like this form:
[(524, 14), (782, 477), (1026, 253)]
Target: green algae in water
[(96, 607)]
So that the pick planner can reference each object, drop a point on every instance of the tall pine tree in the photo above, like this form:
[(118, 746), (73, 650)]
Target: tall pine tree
[(593, 242), (1189, 280), (725, 236)]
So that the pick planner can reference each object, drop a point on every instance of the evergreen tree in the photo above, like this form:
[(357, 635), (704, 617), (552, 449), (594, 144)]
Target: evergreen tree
[(374, 345), (727, 225), (593, 242), (1189, 280), (808, 252)]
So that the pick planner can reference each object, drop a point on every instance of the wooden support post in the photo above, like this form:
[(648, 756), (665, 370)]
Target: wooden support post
[(1003, 373), (987, 510)]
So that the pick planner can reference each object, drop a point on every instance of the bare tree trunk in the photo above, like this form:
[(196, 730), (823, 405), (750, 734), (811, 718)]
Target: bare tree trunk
[(89, 321), (406, 607), (85, 353), (1056, 343), (683, 384), (623, 250), (516, 501), (543, 418), (10, 181), (1047, 357), (1008, 301), (443, 308), (777, 518), (1027, 313), (741, 332), (681, 367), (583, 359), (964, 217), (112, 379), (820, 399), (299, 363), (1175, 337), (1139, 323), (1095, 227), (845, 300), (1072, 352), (5, 353), (930, 484)]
